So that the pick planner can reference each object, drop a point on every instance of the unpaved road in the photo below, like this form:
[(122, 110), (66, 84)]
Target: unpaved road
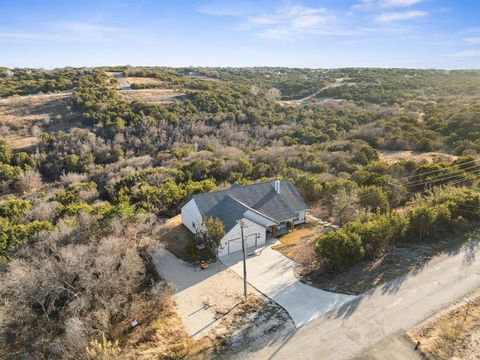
[(396, 306), (304, 100), (124, 85)]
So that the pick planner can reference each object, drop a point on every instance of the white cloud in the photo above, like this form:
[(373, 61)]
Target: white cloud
[(296, 22), (466, 53), (397, 16), (386, 3), (292, 18)]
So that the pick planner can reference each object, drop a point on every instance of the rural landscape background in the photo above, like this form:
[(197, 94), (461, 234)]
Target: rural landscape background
[(97, 159)]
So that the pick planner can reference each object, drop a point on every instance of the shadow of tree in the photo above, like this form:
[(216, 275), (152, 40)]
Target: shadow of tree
[(400, 262)]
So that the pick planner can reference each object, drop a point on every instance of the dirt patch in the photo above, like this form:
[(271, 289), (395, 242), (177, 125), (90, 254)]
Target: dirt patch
[(161, 96), (453, 333), (398, 261), (392, 157), (254, 324), (21, 143)]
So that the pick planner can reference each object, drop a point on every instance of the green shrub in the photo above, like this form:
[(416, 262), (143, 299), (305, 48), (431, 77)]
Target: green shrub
[(14, 208), (379, 232), (318, 166), (214, 231), (5, 152), (309, 187), (424, 220), (13, 234), (365, 155), (339, 249), (73, 209), (23, 160), (374, 198)]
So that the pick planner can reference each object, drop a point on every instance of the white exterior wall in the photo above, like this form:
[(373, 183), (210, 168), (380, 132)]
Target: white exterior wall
[(191, 216), (301, 217), (254, 235), (257, 218)]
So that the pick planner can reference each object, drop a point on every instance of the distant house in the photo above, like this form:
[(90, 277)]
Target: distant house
[(266, 208)]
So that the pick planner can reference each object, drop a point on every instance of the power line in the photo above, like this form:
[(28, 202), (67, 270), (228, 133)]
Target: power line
[(451, 178), (452, 182), (460, 172), (438, 170)]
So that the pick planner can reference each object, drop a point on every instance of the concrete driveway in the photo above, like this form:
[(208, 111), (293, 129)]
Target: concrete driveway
[(271, 273), (200, 294)]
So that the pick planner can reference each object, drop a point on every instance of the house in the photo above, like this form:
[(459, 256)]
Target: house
[(265, 208)]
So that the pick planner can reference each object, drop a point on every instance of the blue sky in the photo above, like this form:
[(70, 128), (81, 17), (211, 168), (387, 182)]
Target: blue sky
[(320, 34)]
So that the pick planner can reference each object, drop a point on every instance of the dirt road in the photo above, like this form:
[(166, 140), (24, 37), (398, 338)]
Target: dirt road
[(124, 85), (381, 313), (305, 100)]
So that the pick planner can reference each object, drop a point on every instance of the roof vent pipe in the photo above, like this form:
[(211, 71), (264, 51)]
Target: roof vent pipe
[(277, 186)]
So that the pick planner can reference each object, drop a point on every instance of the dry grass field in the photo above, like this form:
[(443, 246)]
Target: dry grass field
[(144, 80), (452, 334), (392, 157), (24, 118), (160, 96)]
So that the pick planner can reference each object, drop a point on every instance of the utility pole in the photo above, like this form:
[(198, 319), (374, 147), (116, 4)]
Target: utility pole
[(243, 225)]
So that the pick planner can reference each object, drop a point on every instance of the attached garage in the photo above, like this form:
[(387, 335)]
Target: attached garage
[(232, 241), (235, 245)]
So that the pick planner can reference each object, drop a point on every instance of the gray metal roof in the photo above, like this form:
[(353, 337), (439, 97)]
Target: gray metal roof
[(261, 197)]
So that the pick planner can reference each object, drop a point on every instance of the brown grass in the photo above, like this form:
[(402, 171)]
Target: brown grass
[(47, 112), (176, 236), (301, 232), (166, 338), (452, 334), (298, 243), (31, 107), (143, 80), (162, 96), (392, 157)]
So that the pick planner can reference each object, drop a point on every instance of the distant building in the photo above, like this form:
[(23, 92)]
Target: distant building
[(266, 208)]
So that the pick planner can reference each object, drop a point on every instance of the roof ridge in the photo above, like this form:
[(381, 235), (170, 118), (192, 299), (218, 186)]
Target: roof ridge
[(252, 209), (238, 186)]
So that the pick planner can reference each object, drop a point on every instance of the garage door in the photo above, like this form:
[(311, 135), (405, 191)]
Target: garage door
[(235, 245)]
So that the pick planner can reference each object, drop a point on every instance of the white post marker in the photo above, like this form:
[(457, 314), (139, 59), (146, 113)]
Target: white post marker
[(467, 301)]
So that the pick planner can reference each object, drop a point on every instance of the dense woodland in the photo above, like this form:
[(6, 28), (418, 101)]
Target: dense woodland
[(79, 210)]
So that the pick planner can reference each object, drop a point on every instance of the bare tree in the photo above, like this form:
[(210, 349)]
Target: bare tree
[(345, 205)]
